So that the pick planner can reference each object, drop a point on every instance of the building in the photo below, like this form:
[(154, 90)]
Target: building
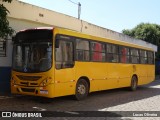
[(23, 16)]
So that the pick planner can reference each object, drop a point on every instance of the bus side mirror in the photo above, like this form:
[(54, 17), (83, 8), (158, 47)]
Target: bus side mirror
[(57, 43)]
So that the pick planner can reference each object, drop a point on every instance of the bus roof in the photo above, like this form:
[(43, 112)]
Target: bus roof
[(102, 39), (133, 43)]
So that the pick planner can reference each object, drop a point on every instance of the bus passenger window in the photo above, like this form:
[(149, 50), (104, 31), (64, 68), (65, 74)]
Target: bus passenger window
[(112, 53), (82, 50), (98, 51), (134, 55), (64, 54), (143, 57), (150, 57), (124, 54)]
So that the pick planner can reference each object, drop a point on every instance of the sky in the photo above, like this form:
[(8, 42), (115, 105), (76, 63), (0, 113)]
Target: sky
[(112, 14)]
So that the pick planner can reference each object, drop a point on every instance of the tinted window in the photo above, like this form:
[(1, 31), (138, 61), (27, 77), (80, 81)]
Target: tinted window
[(112, 53), (143, 57), (82, 50), (98, 51), (124, 54), (64, 54), (32, 57), (38, 35), (134, 55), (150, 57)]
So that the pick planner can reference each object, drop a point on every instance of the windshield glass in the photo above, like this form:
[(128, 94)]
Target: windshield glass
[(32, 57)]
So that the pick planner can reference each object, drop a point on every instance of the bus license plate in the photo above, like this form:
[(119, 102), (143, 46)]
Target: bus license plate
[(44, 91)]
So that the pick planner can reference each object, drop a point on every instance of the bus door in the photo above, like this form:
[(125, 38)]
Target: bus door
[(64, 66)]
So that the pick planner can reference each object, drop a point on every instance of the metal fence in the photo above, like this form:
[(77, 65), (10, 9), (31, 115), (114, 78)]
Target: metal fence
[(2, 48)]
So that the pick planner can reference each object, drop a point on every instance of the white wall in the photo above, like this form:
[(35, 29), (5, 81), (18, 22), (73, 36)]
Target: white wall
[(24, 11)]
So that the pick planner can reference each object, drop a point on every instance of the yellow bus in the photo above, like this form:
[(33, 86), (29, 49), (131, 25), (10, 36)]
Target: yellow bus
[(53, 62)]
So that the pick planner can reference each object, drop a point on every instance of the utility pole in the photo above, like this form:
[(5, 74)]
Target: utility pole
[(79, 10)]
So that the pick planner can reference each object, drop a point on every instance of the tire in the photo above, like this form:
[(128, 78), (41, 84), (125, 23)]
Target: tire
[(134, 83), (82, 89)]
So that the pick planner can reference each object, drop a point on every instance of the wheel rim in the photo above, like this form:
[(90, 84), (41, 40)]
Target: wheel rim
[(81, 89), (134, 84)]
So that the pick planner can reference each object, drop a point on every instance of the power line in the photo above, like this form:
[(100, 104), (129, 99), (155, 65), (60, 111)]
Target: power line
[(73, 2), (79, 7)]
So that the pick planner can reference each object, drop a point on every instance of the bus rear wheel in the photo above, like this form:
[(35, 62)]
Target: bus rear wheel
[(82, 89), (134, 82)]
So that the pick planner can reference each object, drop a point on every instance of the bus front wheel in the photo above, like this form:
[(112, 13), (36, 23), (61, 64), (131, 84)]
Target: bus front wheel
[(82, 89), (134, 82)]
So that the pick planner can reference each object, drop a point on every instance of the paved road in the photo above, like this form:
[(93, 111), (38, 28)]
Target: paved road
[(146, 98)]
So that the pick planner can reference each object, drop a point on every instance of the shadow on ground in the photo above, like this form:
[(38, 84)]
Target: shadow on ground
[(94, 102)]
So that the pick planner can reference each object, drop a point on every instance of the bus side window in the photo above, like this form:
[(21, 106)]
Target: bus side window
[(64, 54), (82, 50), (150, 57), (124, 54), (134, 55), (112, 53), (143, 57), (98, 51)]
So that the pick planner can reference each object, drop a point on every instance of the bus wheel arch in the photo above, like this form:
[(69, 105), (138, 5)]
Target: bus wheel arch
[(134, 82), (82, 88)]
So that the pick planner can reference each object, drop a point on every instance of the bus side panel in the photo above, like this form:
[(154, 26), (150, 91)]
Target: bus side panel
[(95, 72), (64, 82), (125, 74), (112, 75), (142, 72), (151, 73)]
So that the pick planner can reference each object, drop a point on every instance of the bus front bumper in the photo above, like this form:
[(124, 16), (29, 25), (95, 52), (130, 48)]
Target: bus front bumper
[(47, 91)]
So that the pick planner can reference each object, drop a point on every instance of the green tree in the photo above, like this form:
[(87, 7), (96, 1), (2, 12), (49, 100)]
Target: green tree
[(147, 32), (5, 29)]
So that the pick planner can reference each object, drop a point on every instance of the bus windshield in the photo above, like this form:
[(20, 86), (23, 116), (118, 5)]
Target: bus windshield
[(32, 57)]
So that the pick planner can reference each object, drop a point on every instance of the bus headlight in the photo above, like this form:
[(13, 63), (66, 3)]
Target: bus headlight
[(13, 81), (44, 82)]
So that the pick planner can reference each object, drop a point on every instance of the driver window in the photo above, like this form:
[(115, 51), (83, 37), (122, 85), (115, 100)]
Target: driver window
[(45, 57)]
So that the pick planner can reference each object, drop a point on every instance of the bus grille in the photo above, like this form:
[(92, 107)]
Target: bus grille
[(28, 84), (27, 90), (29, 78)]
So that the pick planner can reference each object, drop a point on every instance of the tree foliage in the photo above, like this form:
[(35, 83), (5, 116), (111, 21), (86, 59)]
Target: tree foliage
[(5, 29), (145, 31)]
